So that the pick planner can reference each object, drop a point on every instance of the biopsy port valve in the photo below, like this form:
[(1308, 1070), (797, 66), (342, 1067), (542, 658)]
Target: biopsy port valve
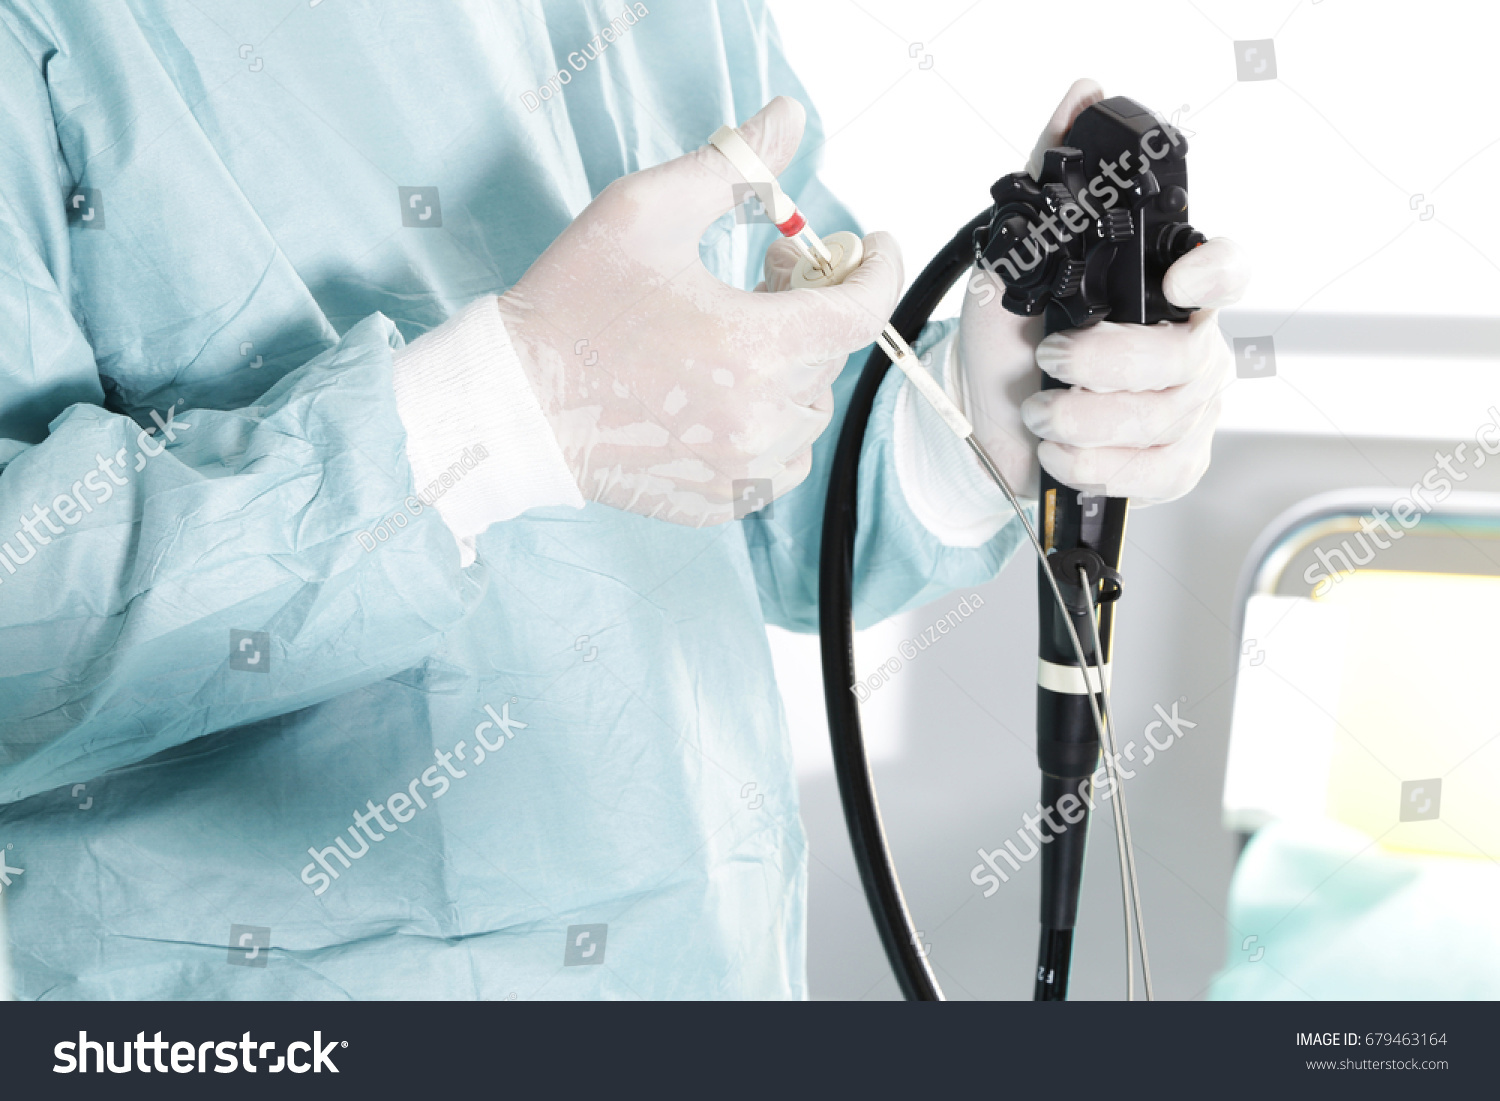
[(846, 253)]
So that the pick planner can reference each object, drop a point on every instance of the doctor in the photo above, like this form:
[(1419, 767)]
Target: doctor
[(377, 618)]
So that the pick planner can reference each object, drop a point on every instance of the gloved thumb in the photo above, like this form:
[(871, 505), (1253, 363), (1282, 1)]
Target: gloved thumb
[(774, 132), (702, 186), (1082, 95), (781, 261), (1213, 275), (823, 323)]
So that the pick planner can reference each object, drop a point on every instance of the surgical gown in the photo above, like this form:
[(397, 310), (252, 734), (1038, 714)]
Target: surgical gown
[(246, 754)]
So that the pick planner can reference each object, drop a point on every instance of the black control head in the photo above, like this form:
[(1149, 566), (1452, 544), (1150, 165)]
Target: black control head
[(1091, 239)]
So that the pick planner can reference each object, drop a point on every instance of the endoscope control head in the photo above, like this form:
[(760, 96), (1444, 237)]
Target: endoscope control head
[(1091, 239)]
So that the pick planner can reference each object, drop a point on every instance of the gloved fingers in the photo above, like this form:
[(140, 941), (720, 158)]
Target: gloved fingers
[(1013, 450), (997, 347), (699, 187), (1147, 418), (781, 258), (819, 325), (774, 132), (1148, 476), (784, 478), (1213, 275), (808, 384), (797, 468), (821, 398), (1083, 94), (1108, 357), (1081, 418), (775, 440)]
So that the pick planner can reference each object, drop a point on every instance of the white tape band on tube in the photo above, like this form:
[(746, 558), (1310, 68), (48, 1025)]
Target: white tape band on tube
[(1069, 679), (902, 356)]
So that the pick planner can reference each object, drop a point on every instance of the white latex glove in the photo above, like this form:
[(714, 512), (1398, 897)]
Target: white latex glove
[(663, 385), (1140, 416)]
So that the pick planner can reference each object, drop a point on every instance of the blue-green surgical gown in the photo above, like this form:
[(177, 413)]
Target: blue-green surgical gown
[(208, 683)]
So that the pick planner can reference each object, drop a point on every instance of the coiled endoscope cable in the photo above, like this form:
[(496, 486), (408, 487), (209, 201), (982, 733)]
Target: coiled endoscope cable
[(822, 266)]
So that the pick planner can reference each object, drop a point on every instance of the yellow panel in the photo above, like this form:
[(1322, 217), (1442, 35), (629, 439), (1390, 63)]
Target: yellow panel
[(1417, 705)]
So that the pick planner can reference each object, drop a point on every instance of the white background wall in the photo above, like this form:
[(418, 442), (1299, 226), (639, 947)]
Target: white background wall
[(1380, 112)]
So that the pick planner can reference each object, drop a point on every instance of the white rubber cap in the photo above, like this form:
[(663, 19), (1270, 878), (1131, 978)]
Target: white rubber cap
[(847, 251)]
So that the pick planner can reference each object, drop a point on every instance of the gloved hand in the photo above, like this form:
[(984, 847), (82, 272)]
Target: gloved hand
[(1139, 419), (663, 385)]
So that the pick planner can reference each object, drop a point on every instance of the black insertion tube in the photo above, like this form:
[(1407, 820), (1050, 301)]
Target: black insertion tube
[(836, 627), (1053, 957), (1068, 746), (1062, 880)]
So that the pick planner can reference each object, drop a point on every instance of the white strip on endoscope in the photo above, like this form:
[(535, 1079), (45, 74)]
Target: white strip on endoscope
[(900, 353), (1068, 679)]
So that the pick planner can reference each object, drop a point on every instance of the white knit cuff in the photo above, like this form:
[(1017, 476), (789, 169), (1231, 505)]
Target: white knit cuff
[(942, 481), (480, 448)]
